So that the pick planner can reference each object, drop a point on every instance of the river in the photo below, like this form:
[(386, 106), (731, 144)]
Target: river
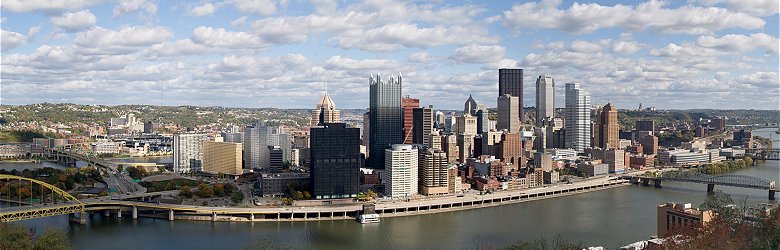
[(609, 218)]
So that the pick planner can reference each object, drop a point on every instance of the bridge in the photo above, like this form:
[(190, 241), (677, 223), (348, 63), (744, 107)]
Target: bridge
[(764, 153), (741, 181), (116, 181), (50, 201)]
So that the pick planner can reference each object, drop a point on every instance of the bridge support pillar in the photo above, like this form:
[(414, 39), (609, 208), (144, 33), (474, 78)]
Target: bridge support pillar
[(657, 183), (251, 217), (645, 182), (213, 216), (106, 213), (772, 195), (119, 213), (170, 214), (710, 188), (135, 213), (83, 218)]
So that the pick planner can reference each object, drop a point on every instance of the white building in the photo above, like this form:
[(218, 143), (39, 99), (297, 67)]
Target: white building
[(545, 99), (256, 154), (577, 118), (188, 152), (400, 175), (104, 147)]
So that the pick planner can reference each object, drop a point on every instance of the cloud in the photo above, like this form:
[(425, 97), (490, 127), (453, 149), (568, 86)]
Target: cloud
[(10, 40), (125, 40), (478, 54), (368, 65), (420, 57), (75, 21), (129, 6), (395, 36), (753, 7), (262, 7), (652, 15), (47, 6), (740, 43), (204, 10), (221, 38), (239, 21)]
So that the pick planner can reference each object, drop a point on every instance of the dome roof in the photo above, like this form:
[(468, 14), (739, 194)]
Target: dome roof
[(326, 102)]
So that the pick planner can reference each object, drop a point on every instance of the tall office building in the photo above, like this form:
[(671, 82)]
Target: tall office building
[(222, 158), (188, 152), (422, 125), (577, 126), (508, 113), (386, 118), (275, 159), (256, 146), (233, 137), (466, 124), (325, 111), (545, 99), (648, 125), (439, 119), (366, 128), (277, 137), (400, 175), (510, 82), (609, 130), (470, 107), (409, 104), (335, 161), (483, 123), (434, 177), (510, 149)]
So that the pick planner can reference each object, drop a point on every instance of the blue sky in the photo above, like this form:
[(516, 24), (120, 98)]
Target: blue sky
[(264, 53)]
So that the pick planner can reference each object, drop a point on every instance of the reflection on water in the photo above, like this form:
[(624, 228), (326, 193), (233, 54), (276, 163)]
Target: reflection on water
[(609, 218)]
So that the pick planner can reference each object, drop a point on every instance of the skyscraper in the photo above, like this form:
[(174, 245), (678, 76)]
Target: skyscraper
[(423, 125), (408, 104), (188, 152), (434, 177), (609, 129), (400, 175), (577, 126), (325, 111), (335, 161), (386, 118), (222, 158), (470, 107), (510, 82), (508, 113), (545, 99), (483, 123), (256, 146)]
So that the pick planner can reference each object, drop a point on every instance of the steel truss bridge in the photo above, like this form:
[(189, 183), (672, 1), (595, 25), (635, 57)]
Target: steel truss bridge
[(742, 181), (53, 201)]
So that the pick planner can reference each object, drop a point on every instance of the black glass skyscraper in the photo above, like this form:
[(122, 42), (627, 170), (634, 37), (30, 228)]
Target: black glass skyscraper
[(385, 117), (510, 81), (335, 161)]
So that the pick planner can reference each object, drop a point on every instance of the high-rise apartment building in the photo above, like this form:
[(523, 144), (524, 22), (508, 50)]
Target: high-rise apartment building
[(422, 125), (256, 146), (386, 118), (510, 82), (325, 112), (434, 177), (400, 174), (222, 158), (277, 137), (510, 149), (577, 125), (608, 128), (408, 105), (335, 161), (508, 113), (545, 99), (188, 152)]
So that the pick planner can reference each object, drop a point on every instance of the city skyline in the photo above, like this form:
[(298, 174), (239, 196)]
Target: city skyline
[(208, 53)]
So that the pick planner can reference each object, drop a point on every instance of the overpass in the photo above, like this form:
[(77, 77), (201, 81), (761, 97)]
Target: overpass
[(117, 181), (764, 153), (742, 181)]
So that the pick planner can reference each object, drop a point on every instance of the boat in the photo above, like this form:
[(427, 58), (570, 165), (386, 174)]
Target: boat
[(368, 218)]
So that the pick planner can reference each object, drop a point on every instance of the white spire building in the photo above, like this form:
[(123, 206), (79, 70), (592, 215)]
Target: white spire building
[(325, 111)]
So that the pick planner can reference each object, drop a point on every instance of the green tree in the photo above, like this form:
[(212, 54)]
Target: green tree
[(52, 239), (15, 237), (237, 197), (185, 191), (204, 191)]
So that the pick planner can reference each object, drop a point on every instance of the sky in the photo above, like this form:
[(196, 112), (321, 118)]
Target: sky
[(720, 54)]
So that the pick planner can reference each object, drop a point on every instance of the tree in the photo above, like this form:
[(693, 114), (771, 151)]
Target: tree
[(237, 197), (15, 237), (219, 189), (120, 167), (204, 191), (52, 239), (185, 191), (749, 161)]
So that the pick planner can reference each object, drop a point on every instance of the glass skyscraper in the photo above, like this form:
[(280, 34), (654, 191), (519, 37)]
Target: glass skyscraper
[(335, 161), (510, 82), (385, 117), (577, 118)]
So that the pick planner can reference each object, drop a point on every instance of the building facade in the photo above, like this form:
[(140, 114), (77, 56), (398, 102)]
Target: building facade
[(508, 113), (400, 174), (188, 152), (335, 161), (325, 112), (577, 125), (408, 105), (609, 129), (510, 82), (434, 177), (222, 158), (386, 118), (422, 125), (545, 99), (256, 146)]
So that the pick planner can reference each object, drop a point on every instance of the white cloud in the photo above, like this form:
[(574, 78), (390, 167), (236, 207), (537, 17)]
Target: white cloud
[(10, 39), (420, 57), (125, 40), (239, 21), (740, 43), (204, 10), (368, 65), (753, 7), (47, 6), (395, 36), (128, 6), (33, 31), (75, 21), (262, 7), (221, 38), (652, 15), (478, 54), (626, 47)]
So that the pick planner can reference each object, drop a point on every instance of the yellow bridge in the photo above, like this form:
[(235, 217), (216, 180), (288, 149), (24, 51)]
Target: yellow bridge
[(54, 202)]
